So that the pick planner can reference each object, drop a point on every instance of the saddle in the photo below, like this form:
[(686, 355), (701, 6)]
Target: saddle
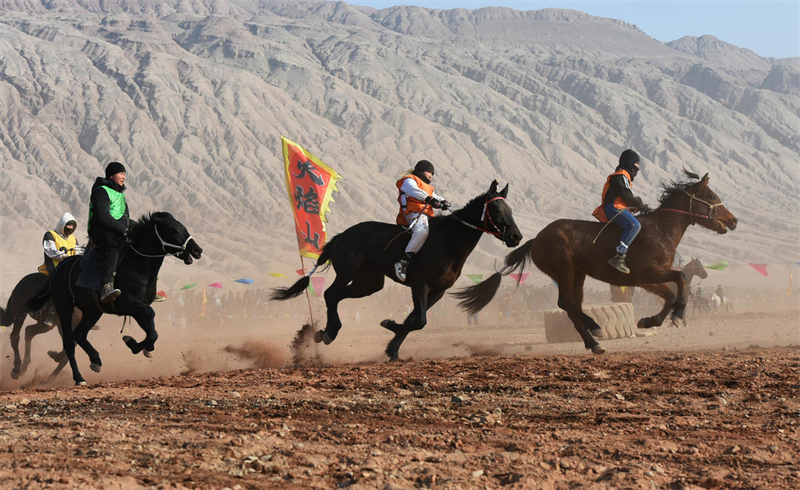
[(91, 271)]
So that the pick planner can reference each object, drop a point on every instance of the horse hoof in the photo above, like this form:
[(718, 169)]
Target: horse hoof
[(385, 323), (598, 349), (598, 333), (15, 374), (127, 338), (95, 367), (148, 353), (326, 339), (80, 383), (318, 336), (54, 355)]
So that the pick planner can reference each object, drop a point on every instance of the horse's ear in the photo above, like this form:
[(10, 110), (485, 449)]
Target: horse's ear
[(493, 187), (703, 182), (504, 192)]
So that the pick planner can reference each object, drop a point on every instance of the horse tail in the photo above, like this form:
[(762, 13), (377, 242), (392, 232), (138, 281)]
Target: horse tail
[(475, 298), (37, 301), (296, 289)]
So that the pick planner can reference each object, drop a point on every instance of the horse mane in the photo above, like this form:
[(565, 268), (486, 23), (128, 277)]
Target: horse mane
[(476, 203), (143, 223), (673, 188)]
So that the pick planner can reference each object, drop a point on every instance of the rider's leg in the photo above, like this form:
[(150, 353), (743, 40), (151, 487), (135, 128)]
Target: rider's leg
[(419, 233), (630, 228), (108, 246)]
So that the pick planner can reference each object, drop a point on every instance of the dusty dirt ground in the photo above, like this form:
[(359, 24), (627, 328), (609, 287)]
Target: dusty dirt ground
[(714, 405)]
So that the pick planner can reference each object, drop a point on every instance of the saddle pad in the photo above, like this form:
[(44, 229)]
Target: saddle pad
[(91, 271)]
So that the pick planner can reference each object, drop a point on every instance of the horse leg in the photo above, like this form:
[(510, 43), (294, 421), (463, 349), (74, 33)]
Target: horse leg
[(80, 332), (32, 331), (577, 297), (145, 317), (15, 372), (566, 301), (365, 283), (415, 320), (662, 290), (65, 318)]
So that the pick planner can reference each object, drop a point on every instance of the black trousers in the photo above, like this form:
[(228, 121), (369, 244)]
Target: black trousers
[(109, 245)]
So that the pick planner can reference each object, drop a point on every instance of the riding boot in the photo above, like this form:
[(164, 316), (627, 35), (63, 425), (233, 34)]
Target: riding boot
[(108, 293), (51, 318), (618, 262)]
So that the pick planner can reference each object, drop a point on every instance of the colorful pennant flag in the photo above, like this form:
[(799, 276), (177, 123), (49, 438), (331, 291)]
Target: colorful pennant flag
[(476, 278), (244, 281), (520, 278), (217, 285), (789, 289), (189, 286), (719, 266), (160, 296), (278, 274), (300, 272), (310, 184), (317, 284), (761, 268)]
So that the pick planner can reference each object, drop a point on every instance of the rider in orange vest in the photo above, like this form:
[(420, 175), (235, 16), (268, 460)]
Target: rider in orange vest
[(617, 199), (417, 202)]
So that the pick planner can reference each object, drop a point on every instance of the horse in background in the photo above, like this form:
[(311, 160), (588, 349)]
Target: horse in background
[(364, 254), (16, 312), (569, 250)]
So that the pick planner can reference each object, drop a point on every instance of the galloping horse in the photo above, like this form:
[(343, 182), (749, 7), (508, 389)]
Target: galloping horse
[(565, 251), (365, 253), (16, 311), (151, 239)]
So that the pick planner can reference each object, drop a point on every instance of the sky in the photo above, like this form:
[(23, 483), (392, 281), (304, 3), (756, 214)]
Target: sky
[(770, 28)]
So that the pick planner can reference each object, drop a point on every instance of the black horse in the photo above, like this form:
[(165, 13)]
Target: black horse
[(152, 238), (365, 253), (15, 313)]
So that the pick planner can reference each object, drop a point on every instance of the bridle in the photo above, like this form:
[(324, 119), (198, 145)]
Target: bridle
[(694, 215), (164, 245), (486, 219)]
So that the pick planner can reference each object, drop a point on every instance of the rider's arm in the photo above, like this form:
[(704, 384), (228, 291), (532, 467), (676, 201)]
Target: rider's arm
[(102, 209), (50, 249), (411, 189), (619, 184)]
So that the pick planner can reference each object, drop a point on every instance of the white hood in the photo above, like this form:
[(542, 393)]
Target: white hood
[(65, 218)]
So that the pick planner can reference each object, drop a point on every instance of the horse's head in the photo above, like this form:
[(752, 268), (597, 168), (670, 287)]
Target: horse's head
[(175, 238), (498, 219), (702, 204), (696, 267)]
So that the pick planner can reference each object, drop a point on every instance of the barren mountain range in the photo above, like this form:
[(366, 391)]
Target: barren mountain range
[(193, 96)]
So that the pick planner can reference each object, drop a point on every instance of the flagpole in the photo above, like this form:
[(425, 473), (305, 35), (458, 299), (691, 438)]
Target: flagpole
[(308, 296)]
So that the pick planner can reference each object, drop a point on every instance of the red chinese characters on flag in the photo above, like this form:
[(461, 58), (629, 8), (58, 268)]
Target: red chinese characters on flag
[(310, 184)]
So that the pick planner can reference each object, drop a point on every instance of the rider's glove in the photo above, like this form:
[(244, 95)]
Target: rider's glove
[(436, 204), (430, 200), (444, 204), (645, 209)]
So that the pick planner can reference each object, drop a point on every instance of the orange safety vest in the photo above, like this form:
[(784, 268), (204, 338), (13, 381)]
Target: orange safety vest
[(412, 204), (619, 203)]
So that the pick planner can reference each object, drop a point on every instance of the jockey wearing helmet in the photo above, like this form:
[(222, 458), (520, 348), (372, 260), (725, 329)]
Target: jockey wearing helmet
[(617, 199), (417, 202)]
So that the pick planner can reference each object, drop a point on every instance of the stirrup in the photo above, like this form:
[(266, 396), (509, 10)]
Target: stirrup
[(400, 268)]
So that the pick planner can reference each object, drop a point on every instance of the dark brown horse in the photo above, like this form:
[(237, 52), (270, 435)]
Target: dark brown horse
[(566, 251), (364, 255)]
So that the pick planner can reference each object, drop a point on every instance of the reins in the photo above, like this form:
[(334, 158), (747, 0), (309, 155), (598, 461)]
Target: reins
[(486, 216), (693, 198)]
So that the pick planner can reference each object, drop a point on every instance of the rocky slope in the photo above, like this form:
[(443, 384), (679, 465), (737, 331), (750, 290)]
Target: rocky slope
[(193, 97)]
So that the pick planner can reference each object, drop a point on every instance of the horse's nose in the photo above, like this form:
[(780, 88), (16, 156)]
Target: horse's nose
[(733, 224), (515, 236)]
